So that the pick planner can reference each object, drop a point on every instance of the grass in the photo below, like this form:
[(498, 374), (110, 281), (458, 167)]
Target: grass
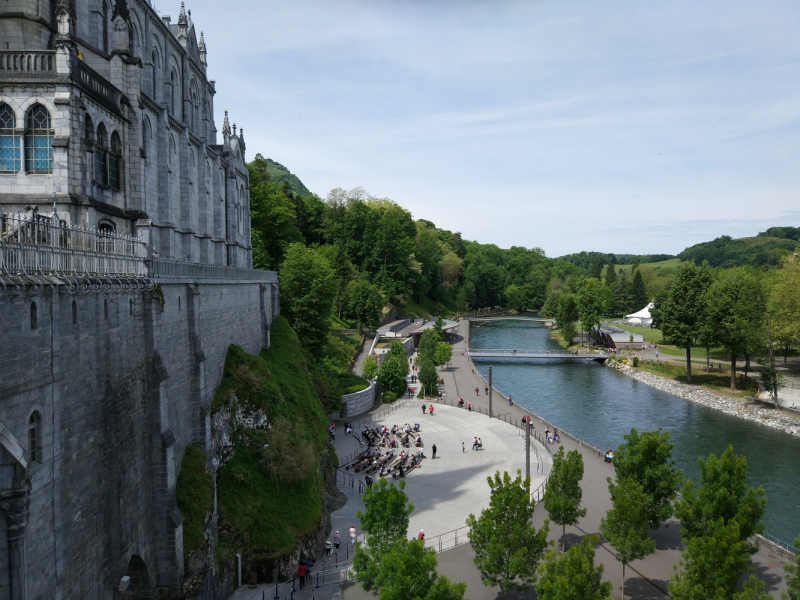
[(337, 323), (263, 515), (413, 310), (663, 268), (717, 382), (195, 495), (351, 383), (654, 336)]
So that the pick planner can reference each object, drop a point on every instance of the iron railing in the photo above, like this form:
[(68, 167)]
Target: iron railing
[(449, 539), (33, 244), (165, 268)]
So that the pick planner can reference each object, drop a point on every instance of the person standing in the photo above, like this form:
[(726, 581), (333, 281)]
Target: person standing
[(463, 449), (352, 535), (309, 564), (424, 409), (469, 406), (430, 410), (301, 574), (486, 390), (433, 449), (477, 392), (337, 540), (328, 546)]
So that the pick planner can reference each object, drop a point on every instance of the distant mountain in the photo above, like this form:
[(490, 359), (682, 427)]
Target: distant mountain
[(277, 172), (766, 249)]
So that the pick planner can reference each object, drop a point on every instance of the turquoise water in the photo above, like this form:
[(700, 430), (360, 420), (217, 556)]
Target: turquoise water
[(601, 405)]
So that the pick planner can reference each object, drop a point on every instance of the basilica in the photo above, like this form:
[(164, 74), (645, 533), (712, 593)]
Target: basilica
[(107, 118)]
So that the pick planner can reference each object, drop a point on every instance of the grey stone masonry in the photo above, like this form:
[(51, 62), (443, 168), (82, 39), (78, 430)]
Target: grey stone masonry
[(358, 402)]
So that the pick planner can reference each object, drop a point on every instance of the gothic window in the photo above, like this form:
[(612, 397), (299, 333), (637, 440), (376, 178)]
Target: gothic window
[(38, 141), (115, 162), (74, 313), (106, 229), (172, 92), (10, 158), (195, 113), (101, 156), (34, 316), (35, 437), (154, 74), (88, 130)]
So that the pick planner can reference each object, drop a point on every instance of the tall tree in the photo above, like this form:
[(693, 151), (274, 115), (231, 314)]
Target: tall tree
[(408, 571), (392, 375), (684, 313), (626, 525), (736, 313), (793, 576), (722, 494), (566, 317), (573, 576), (647, 458), (369, 367), (444, 353), (711, 564), (611, 273), (638, 291), (563, 493), (590, 304), (427, 374), (308, 288), (427, 344), (597, 269), (507, 547), (784, 303), (397, 351), (365, 302)]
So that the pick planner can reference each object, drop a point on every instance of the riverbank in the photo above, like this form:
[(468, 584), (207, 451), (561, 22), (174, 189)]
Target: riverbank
[(783, 421)]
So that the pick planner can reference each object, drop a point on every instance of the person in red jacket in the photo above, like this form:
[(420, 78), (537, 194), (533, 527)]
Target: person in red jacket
[(301, 574), (430, 409)]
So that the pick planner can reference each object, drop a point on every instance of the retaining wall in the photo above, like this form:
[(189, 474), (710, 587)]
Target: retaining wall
[(358, 402)]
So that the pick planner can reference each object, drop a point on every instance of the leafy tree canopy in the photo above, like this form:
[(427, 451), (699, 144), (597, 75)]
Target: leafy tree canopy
[(573, 575)]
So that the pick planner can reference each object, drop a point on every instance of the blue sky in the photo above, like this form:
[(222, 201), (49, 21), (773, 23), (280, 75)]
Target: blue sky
[(636, 127)]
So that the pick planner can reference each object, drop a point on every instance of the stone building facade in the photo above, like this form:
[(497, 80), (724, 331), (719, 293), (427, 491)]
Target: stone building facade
[(125, 275), (108, 106)]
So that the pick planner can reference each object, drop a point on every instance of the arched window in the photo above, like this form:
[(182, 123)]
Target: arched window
[(173, 153), (172, 92), (10, 158), (88, 130), (35, 437), (38, 141), (74, 313), (106, 229), (34, 316), (195, 115), (154, 74), (115, 162), (101, 156)]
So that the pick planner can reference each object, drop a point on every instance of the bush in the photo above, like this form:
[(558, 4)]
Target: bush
[(635, 361), (389, 397)]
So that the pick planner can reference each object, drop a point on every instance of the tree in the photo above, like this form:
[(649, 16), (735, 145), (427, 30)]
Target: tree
[(370, 367), (563, 493), (438, 326), (443, 353), (626, 525), (428, 375), (392, 375), (684, 314), (365, 302), (784, 303), (573, 575), (722, 494), (590, 304), (308, 288), (638, 292), (427, 344), (736, 313), (647, 458), (711, 565), (753, 589), (566, 317), (597, 269), (408, 571), (611, 273), (793, 576), (507, 547), (397, 351)]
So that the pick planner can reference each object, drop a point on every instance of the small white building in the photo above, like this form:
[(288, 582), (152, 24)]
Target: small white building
[(641, 318)]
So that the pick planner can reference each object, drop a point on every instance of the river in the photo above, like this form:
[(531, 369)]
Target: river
[(601, 405)]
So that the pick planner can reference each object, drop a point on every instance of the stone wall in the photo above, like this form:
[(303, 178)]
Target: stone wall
[(359, 402), (121, 383)]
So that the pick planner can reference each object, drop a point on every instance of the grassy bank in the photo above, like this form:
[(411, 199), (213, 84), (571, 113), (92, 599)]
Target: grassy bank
[(195, 494), (718, 383)]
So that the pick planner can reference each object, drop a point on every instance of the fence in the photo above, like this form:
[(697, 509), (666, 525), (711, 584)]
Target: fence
[(450, 539), (32, 244), (368, 420), (344, 478), (165, 268)]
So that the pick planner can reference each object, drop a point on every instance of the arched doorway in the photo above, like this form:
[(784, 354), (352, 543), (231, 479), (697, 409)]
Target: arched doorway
[(139, 587)]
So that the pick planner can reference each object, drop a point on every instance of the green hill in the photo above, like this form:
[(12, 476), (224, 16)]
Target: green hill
[(725, 252), (277, 172)]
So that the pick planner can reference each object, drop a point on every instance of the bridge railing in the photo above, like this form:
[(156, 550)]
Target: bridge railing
[(544, 352)]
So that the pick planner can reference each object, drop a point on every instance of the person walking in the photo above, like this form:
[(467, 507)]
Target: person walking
[(486, 390), (309, 564), (463, 449), (433, 448), (328, 546), (424, 409), (430, 410), (469, 406), (301, 574), (477, 392), (337, 540), (474, 443), (352, 535)]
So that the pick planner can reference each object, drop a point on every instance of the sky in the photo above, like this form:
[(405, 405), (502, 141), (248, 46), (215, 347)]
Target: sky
[(616, 126)]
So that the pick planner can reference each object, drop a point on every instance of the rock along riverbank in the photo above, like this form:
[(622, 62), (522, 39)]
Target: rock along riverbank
[(731, 406)]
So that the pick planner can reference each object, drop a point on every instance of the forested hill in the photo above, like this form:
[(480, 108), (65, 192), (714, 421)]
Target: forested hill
[(278, 173), (766, 249), (585, 259)]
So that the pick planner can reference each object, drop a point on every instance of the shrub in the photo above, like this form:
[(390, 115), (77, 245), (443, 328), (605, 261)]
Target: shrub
[(389, 397), (635, 361)]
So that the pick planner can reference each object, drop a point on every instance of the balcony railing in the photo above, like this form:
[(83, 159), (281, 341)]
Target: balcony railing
[(33, 244), (26, 63), (94, 83)]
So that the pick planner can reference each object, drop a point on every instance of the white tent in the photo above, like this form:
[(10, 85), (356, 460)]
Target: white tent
[(641, 318)]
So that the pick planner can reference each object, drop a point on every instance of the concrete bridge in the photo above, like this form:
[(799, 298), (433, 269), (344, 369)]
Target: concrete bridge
[(530, 319), (536, 354)]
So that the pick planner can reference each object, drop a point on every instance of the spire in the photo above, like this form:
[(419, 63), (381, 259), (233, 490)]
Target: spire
[(226, 130), (182, 20), (234, 129), (201, 48), (241, 139)]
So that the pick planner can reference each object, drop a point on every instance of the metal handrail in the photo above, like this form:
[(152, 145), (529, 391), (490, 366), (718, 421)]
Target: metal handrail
[(445, 538)]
